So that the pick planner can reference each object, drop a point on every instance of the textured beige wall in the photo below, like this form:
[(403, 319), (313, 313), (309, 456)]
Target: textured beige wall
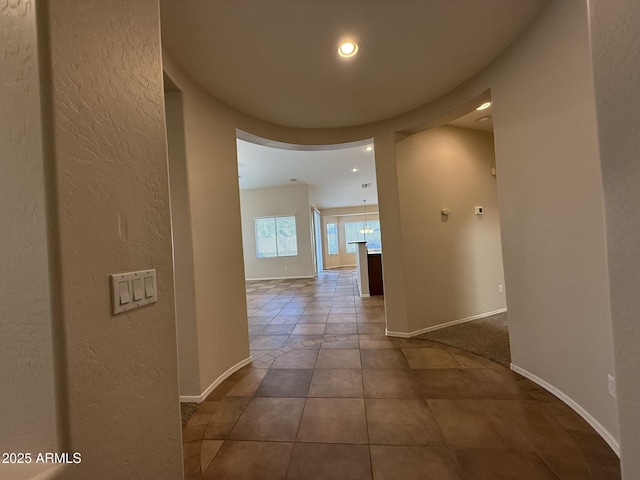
[(551, 207), (113, 214), (616, 49), (214, 201), (185, 296), (456, 262), (27, 394), (277, 201)]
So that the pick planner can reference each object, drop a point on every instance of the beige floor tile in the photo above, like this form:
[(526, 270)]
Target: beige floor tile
[(340, 359), (336, 383), (413, 463), (341, 319), (248, 384), (476, 424), (285, 383), (208, 451), (341, 329), (309, 329), (481, 464), (402, 422), (389, 383), (268, 342), (340, 345), (225, 417), (383, 359), (323, 462), (269, 419), (333, 420), (198, 419), (297, 359), (447, 383), (250, 461), (384, 344), (429, 358), (367, 328)]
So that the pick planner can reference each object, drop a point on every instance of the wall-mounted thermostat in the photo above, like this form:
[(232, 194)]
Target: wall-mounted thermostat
[(479, 210)]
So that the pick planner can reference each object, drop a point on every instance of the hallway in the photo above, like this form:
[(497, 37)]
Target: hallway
[(328, 396)]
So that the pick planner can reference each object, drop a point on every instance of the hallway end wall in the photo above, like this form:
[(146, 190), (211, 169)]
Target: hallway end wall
[(274, 202), (456, 263)]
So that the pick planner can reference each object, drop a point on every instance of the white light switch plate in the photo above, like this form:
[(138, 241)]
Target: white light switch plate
[(133, 289)]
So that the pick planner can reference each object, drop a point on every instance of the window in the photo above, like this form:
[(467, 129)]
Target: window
[(276, 237), (332, 238), (352, 234)]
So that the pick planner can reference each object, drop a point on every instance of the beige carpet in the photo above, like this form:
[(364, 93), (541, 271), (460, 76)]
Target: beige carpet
[(488, 337)]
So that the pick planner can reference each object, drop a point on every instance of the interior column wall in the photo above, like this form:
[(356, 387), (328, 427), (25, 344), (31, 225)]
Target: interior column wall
[(28, 417), (616, 48), (186, 326), (552, 216), (214, 203), (109, 147)]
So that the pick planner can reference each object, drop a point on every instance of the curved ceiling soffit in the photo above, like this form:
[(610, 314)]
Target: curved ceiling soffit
[(279, 63)]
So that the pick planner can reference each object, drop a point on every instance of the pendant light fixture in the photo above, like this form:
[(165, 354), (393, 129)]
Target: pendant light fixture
[(365, 227)]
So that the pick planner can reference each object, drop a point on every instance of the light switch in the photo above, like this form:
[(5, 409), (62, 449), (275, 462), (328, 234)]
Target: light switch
[(132, 290), (137, 289), (149, 287), (123, 289)]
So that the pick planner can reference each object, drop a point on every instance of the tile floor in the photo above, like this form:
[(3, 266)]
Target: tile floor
[(329, 397)]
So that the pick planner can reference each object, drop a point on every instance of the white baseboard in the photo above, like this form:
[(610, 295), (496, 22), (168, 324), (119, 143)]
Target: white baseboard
[(337, 266), (278, 278), (603, 432), (444, 325), (200, 398)]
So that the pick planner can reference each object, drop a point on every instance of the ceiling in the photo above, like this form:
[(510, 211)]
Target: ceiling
[(276, 59), (475, 120), (327, 169), (332, 183)]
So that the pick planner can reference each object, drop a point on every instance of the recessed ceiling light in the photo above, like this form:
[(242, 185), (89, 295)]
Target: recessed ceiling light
[(348, 49), (486, 118), (293, 179), (354, 169), (369, 148), (484, 106)]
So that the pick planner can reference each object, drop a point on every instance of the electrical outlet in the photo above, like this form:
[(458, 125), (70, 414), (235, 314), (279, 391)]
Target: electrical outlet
[(612, 385), (500, 288)]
